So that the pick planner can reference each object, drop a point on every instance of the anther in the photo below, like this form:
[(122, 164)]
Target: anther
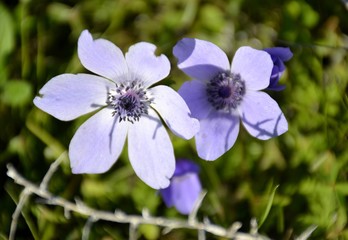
[(129, 101)]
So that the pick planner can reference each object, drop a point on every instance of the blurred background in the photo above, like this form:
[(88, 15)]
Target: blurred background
[(309, 163)]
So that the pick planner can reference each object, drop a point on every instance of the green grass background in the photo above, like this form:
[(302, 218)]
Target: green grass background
[(309, 163)]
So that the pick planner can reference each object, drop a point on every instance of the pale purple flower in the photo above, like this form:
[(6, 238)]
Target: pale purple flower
[(279, 55), (185, 187), (127, 107), (221, 94)]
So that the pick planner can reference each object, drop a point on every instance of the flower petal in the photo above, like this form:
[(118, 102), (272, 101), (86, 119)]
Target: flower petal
[(200, 59), (273, 85), (195, 95), (69, 96), (174, 111), (145, 65), (184, 166), (101, 57), (254, 66), (279, 64), (284, 53), (151, 151), (187, 171), (218, 133), (166, 194), (97, 143), (261, 116), (185, 192)]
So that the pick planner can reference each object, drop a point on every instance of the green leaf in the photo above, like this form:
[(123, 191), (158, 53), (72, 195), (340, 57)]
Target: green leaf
[(16, 93), (268, 207), (342, 188), (307, 233), (150, 232), (7, 31), (60, 12), (212, 17)]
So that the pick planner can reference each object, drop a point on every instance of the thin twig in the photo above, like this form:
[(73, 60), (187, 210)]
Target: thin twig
[(26, 193), (119, 216), (22, 200), (253, 226), (87, 228), (53, 168), (201, 235), (133, 231)]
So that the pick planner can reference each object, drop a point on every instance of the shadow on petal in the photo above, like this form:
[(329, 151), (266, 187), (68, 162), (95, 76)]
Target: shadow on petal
[(204, 72), (262, 133)]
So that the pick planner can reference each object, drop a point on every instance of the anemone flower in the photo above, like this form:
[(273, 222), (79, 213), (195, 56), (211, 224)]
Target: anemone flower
[(220, 95), (125, 106)]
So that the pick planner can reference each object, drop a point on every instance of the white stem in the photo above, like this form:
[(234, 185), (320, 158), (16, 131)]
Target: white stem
[(118, 216)]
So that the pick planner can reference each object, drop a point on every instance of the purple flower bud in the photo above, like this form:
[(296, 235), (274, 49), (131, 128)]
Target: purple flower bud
[(279, 55), (184, 187)]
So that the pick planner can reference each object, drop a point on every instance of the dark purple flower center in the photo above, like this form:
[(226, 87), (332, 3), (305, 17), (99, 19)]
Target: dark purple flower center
[(129, 101), (225, 91)]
